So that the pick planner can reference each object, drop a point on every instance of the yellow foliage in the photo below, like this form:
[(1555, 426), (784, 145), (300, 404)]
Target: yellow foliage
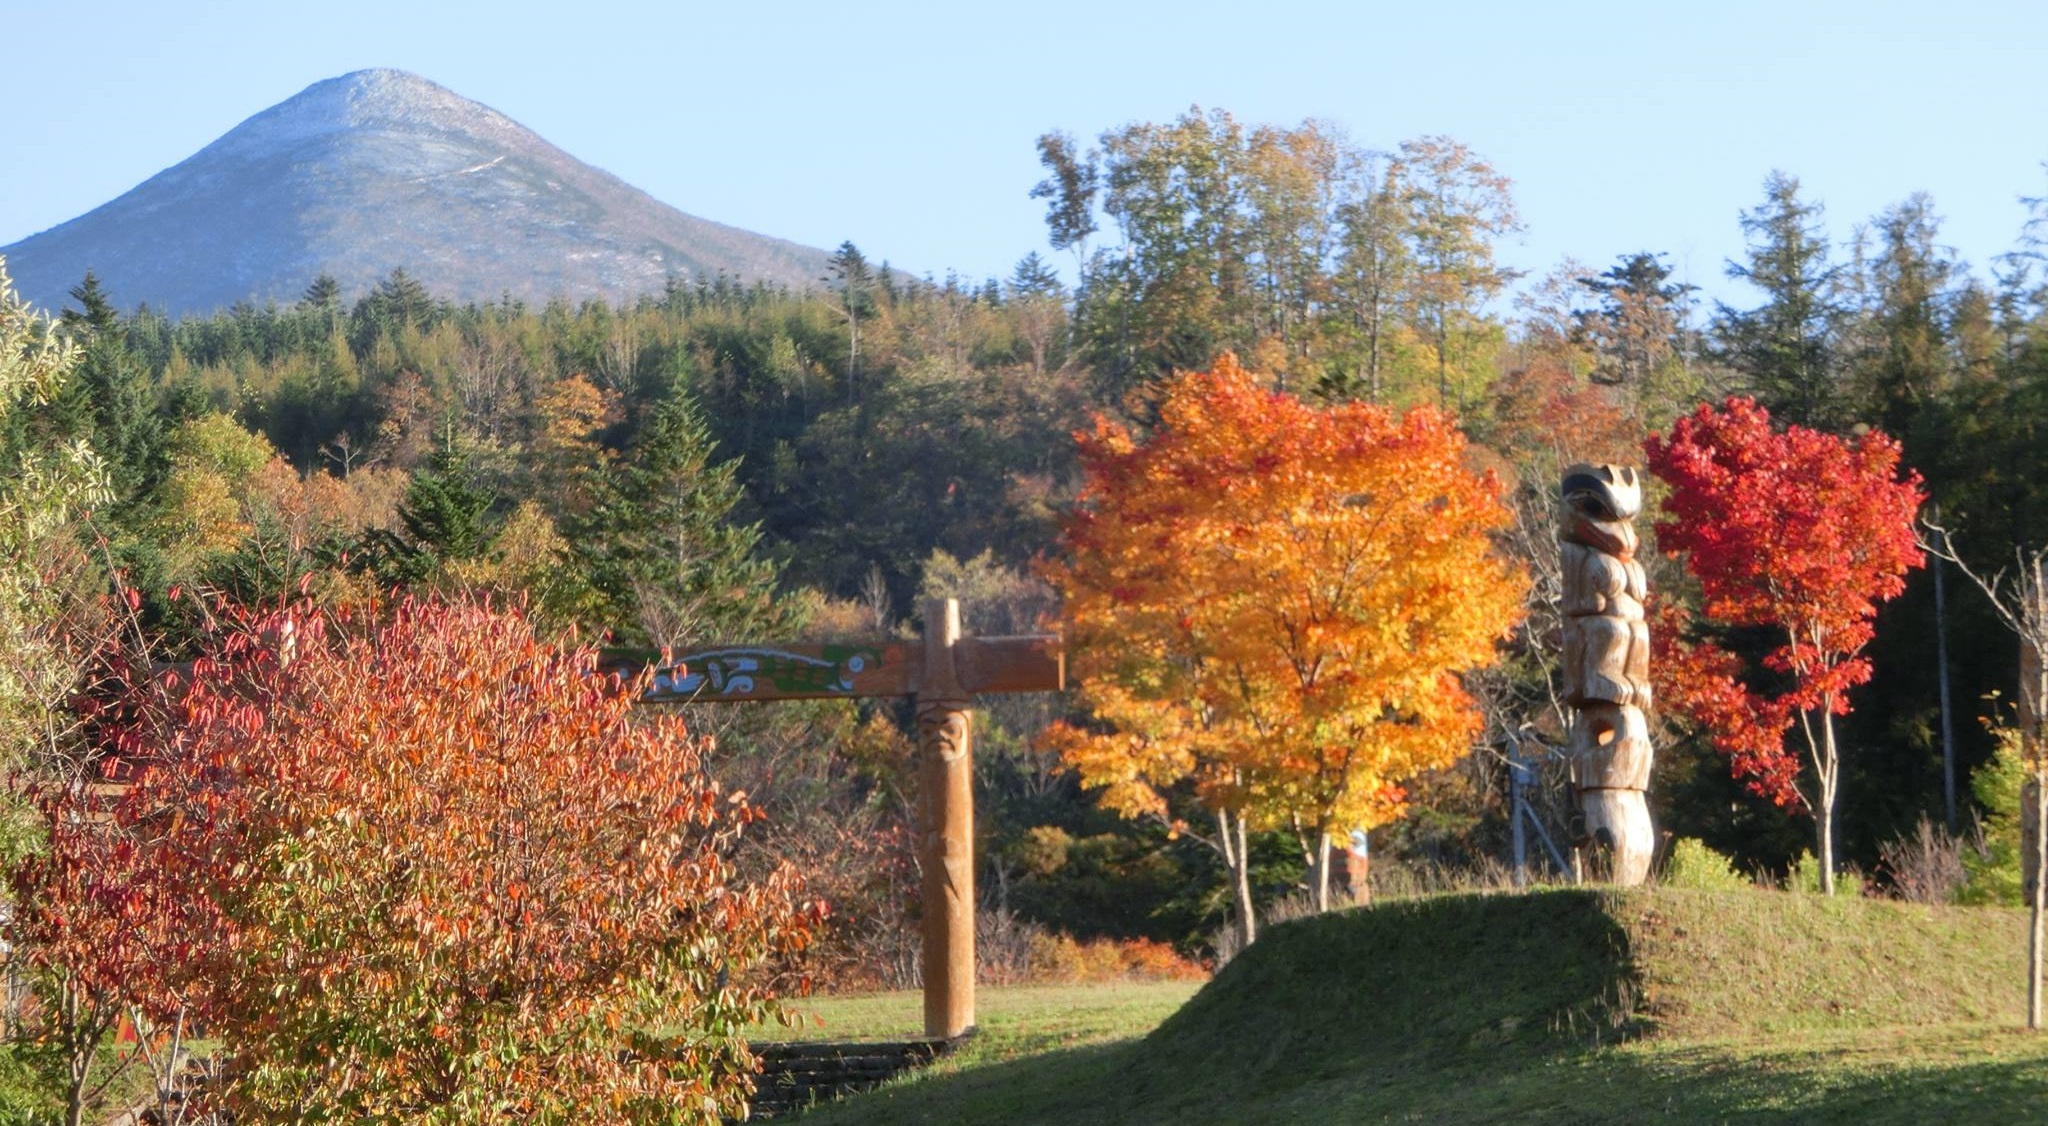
[(1271, 602)]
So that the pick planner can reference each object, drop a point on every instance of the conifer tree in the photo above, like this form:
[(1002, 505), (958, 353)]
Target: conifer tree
[(444, 519), (1786, 346), (109, 400), (323, 293), (1637, 332), (664, 549), (1910, 364)]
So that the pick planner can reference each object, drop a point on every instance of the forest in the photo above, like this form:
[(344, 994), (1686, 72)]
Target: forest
[(724, 461)]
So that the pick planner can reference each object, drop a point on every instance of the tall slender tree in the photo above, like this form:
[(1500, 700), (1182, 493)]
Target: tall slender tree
[(1785, 347), (1912, 291), (1458, 205)]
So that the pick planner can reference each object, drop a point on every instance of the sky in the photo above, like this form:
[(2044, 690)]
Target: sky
[(910, 128)]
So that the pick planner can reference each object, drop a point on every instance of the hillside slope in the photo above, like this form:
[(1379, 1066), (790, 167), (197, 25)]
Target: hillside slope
[(381, 169), (1566, 1006)]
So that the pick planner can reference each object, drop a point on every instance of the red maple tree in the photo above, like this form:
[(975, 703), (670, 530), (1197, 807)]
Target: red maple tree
[(1799, 534)]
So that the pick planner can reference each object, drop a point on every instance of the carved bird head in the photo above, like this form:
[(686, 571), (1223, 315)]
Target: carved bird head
[(1603, 492)]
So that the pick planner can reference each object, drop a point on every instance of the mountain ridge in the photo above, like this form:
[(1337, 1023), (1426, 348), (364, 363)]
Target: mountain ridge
[(376, 170)]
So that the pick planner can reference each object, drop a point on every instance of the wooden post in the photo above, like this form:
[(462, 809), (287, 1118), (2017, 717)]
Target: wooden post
[(945, 826), (942, 674)]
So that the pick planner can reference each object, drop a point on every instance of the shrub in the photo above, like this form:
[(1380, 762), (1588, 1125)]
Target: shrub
[(1691, 864), (1805, 877), (460, 877), (1925, 866), (1994, 866), (1061, 958)]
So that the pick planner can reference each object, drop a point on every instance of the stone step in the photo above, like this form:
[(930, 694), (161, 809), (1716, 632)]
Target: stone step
[(797, 1073)]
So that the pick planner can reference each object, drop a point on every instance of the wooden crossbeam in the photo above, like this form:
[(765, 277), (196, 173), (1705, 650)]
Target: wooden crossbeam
[(736, 673)]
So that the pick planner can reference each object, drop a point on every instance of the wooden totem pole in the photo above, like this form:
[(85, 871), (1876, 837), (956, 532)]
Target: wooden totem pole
[(1607, 665)]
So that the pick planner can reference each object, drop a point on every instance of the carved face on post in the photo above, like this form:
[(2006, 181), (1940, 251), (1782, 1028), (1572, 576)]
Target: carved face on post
[(1602, 502)]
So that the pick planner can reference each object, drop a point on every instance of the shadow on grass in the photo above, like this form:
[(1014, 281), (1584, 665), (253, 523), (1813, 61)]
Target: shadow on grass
[(1841, 1084)]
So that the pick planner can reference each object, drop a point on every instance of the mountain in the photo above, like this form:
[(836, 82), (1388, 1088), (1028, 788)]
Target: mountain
[(381, 169)]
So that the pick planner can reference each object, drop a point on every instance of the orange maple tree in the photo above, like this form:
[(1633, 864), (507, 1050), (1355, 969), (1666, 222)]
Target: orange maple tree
[(456, 877), (1796, 533), (1269, 604)]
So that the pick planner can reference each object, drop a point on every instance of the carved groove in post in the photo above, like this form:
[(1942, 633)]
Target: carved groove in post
[(945, 827), (1607, 665)]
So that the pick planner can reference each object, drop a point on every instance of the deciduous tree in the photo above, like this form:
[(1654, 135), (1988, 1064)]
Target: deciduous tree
[(1799, 535), (1457, 205), (1270, 603), (46, 486)]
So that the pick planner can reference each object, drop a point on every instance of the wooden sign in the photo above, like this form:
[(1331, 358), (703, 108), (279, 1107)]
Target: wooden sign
[(734, 673)]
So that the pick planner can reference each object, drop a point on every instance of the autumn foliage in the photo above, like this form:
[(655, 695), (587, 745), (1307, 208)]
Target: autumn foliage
[(453, 875), (1796, 534), (1269, 604)]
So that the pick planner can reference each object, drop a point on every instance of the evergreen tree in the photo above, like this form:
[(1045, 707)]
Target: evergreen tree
[(1034, 277), (110, 400), (1910, 365), (1636, 333), (398, 302), (855, 281), (403, 299), (664, 548), (1786, 346), (324, 293), (445, 518)]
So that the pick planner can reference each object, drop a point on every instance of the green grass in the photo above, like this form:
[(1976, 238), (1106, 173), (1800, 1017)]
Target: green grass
[(1014, 1022), (1560, 1007)]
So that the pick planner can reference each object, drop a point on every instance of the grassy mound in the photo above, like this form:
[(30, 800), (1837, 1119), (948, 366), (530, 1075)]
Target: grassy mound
[(1560, 1006), (1575, 967)]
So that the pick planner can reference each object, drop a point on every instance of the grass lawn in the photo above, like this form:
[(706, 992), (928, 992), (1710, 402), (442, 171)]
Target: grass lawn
[(1558, 1007), (1014, 1022)]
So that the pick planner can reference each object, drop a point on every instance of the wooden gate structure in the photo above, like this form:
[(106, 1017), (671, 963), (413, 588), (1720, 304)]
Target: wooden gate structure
[(942, 672)]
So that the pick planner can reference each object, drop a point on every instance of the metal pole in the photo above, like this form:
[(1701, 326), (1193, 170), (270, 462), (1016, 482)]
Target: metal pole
[(1518, 773), (1948, 737)]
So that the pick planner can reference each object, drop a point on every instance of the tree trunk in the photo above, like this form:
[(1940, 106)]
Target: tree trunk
[(80, 1048), (1247, 920), (2036, 811), (1825, 814), (1322, 872)]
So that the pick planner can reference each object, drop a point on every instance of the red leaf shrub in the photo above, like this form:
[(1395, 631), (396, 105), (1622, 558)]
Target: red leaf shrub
[(456, 874)]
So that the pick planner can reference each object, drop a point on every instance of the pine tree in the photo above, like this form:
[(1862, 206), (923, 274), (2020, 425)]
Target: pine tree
[(445, 518), (664, 549), (110, 401), (1786, 346), (324, 293)]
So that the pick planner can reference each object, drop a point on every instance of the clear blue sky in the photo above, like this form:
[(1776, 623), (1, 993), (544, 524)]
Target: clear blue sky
[(909, 128)]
